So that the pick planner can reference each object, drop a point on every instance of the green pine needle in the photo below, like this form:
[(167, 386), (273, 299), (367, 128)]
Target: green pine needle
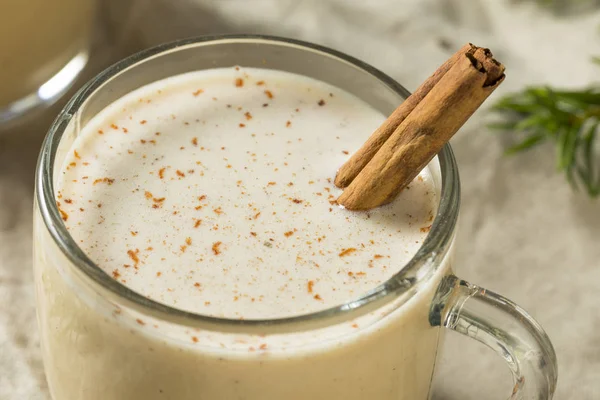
[(569, 119)]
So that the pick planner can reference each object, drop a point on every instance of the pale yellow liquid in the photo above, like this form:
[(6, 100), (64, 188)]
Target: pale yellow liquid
[(224, 174), (37, 39)]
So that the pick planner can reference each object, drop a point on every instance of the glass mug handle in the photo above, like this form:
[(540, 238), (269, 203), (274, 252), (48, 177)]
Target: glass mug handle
[(504, 327)]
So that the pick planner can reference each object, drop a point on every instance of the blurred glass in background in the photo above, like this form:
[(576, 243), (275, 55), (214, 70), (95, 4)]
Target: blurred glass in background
[(44, 45)]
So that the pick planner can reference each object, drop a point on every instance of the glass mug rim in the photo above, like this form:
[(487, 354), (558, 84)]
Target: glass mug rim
[(414, 273)]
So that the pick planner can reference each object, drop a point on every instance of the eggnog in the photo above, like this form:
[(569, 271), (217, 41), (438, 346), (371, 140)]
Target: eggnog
[(212, 192)]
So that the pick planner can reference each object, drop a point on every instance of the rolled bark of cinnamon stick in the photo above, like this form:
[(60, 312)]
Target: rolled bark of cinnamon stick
[(471, 78), (361, 158)]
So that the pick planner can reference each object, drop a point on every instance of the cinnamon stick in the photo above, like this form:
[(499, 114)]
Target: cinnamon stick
[(361, 158), (471, 77)]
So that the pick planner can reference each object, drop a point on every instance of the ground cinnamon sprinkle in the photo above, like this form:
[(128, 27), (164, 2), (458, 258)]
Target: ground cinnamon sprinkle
[(198, 222), (239, 82), (139, 321), (347, 251), (134, 257), (76, 154), (108, 181), (260, 83), (188, 241), (248, 115), (426, 229), (116, 274), (288, 233), (148, 195), (269, 94), (288, 124), (142, 122), (321, 102), (377, 256), (161, 173), (114, 126), (317, 297), (216, 248), (310, 286), (263, 346), (195, 339), (63, 214), (197, 92), (180, 173)]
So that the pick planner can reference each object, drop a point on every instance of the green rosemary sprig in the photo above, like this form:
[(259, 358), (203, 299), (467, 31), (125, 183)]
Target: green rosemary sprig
[(565, 7), (570, 119)]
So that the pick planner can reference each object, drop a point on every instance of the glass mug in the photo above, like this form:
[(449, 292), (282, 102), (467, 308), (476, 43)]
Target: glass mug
[(101, 340), (44, 45)]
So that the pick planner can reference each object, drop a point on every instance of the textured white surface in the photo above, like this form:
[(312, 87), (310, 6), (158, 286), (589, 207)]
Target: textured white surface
[(523, 232)]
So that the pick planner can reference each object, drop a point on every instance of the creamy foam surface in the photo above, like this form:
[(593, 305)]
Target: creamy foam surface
[(213, 192)]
